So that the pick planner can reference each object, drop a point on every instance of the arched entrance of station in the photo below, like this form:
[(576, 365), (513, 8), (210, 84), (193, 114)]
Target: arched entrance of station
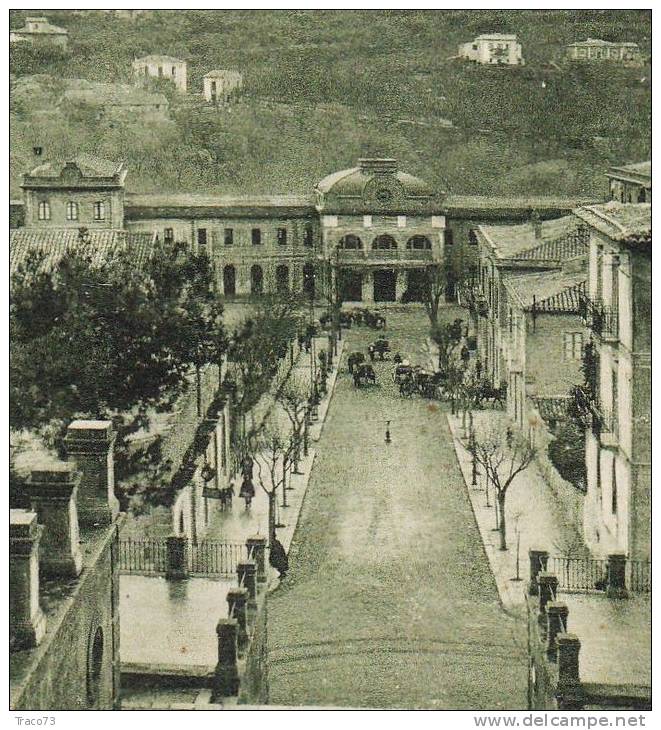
[(350, 284), (282, 279), (416, 282), (256, 279), (385, 285), (229, 281)]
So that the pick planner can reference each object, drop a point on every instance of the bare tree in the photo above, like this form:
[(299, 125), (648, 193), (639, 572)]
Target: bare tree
[(433, 290), (271, 449), (293, 397), (503, 454)]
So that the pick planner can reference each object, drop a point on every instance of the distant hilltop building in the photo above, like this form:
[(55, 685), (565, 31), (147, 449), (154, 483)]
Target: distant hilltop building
[(493, 49), (221, 85), (594, 49), (39, 32), (161, 67)]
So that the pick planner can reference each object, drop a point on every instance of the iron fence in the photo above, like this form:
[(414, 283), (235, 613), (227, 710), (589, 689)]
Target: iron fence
[(144, 555), (591, 574), (149, 556)]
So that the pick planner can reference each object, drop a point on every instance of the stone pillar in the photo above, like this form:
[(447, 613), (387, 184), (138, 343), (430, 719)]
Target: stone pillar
[(53, 495), (539, 560), (400, 283), (226, 675), (236, 608), (257, 551), (569, 693), (246, 571), (27, 623), (617, 573), (556, 623), (176, 564), (548, 587), (368, 286), (90, 444)]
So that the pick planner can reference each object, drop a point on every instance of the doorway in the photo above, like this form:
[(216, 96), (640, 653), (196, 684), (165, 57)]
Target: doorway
[(350, 283), (416, 282), (384, 285), (229, 281)]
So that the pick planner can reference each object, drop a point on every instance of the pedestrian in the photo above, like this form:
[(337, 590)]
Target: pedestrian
[(301, 340), (278, 558), (465, 355), (247, 491), (397, 359), (387, 432), (478, 369), (371, 350)]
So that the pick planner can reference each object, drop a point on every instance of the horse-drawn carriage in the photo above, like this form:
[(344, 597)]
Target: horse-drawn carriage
[(379, 347), (355, 359), (363, 374)]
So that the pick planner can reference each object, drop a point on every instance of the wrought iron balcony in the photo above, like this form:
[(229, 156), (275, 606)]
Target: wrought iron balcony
[(472, 294), (592, 414), (602, 320)]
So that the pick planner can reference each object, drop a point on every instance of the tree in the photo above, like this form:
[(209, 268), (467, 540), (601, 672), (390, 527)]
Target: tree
[(447, 336), (293, 397), (108, 340), (433, 288), (271, 449), (503, 454)]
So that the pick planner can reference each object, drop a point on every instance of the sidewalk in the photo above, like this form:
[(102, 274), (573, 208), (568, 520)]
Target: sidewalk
[(529, 513)]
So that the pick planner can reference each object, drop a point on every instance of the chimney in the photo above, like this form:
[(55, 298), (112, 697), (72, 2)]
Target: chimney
[(90, 444), (53, 494), (27, 623)]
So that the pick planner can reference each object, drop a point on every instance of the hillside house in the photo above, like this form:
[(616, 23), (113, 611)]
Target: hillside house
[(161, 67), (493, 49), (597, 50), (221, 85), (39, 32), (631, 183)]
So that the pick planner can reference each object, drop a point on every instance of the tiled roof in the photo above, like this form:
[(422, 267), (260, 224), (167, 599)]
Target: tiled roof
[(637, 170), (89, 165), (156, 58), (512, 241), (555, 291), (571, 246), (100, 244), (619, 221)]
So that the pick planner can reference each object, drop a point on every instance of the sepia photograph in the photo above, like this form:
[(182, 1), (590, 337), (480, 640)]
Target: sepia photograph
[(329, 363)]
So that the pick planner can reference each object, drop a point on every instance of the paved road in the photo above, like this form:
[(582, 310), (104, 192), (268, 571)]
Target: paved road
[(390, 601)]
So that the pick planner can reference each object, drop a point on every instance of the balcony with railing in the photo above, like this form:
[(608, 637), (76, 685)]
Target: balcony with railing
[(471, 295), (383, 255), (601, 319), (592, 414)]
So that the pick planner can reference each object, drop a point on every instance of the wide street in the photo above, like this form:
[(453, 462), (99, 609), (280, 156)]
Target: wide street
[(390, 601)]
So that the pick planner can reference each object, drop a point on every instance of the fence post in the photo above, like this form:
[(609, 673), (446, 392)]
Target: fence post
[(568, 693), (556, 623), (617, 567), (539, 560), (236, 608), (548, 587), (256, 547), (226, 675), (176, 566), (246, 573)]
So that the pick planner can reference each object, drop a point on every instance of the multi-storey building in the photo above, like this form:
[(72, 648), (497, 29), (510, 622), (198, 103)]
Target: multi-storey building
[(39, 32), (596, 50), (631, 183), (615, 401), (161, 67), (493, 49), (85, 192)]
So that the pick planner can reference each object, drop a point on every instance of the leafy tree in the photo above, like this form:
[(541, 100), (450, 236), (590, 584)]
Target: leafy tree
[(293, 397), (503, 454), (446, 336), (108, 340)]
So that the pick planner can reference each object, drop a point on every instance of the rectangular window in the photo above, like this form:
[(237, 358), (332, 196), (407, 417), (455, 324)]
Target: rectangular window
[(573, 345), (256, 236), (308, 236), (449, 237), (99, 211), (72, 211), (160, 70), (202, 237), (228, 236), (282, 236), (168, 235), (44, 211), (174, 70)]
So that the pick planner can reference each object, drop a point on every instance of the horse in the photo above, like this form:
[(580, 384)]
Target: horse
[(487, 392), (355, 359), (381, 347), (363, 374)]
